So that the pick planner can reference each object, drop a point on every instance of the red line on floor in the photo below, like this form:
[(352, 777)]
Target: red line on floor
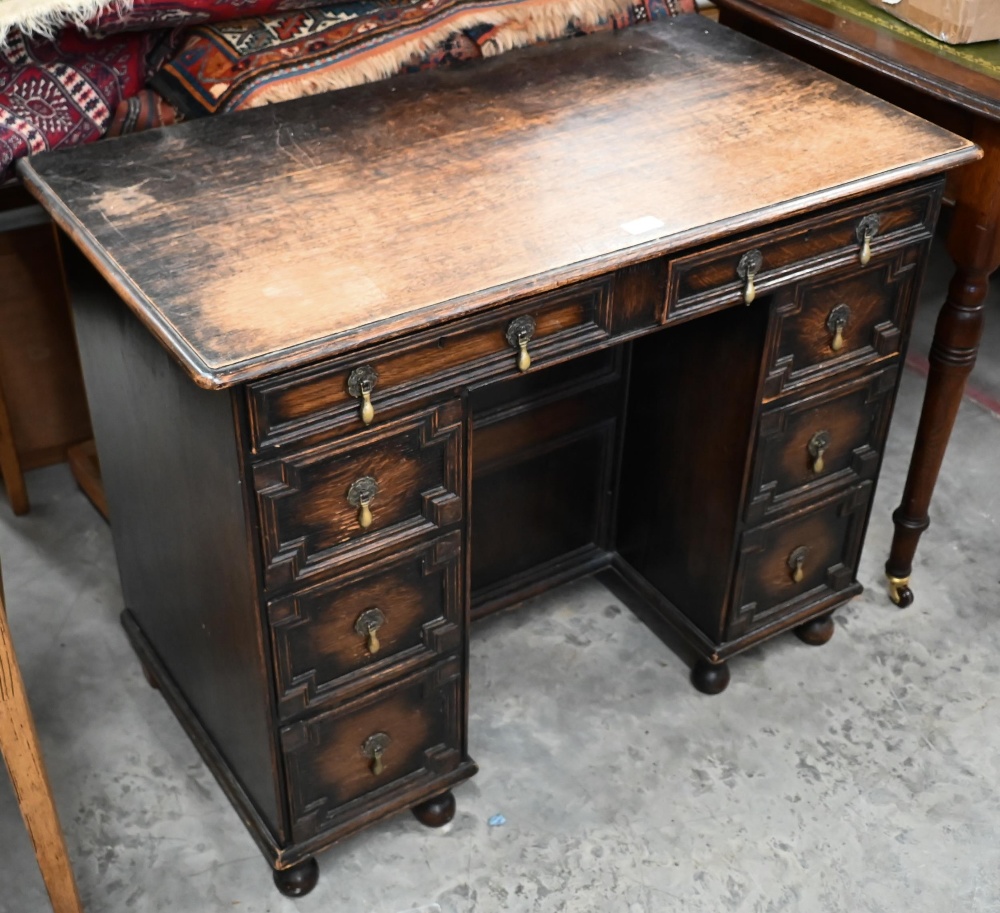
[(980, 397)]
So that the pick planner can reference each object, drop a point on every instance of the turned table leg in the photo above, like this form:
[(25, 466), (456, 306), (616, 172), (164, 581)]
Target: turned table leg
[(974, 245), (22, 754)]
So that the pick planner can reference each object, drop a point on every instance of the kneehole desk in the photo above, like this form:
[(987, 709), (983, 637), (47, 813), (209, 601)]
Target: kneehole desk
[(369, 364)]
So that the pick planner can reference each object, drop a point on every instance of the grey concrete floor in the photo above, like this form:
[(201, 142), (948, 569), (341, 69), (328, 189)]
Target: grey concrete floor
[(860, 776)]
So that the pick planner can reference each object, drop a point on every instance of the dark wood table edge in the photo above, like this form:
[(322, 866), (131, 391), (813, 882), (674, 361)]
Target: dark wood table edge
[(973, 92)]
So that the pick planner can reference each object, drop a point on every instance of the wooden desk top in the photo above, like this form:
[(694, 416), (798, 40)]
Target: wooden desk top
[(966, 76), (259, 241)]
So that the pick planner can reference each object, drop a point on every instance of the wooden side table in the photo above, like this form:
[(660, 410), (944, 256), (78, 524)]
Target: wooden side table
[(23, 757), (957, 87)]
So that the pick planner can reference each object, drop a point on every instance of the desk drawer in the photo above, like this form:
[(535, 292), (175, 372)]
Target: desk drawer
[(348, 498), (817, 443), (558, 325), (827, 539), (397, 739), (843, 320), (334, 639), (711, 280)]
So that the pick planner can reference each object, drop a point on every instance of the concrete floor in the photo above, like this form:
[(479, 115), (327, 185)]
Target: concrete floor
[(860, 776)]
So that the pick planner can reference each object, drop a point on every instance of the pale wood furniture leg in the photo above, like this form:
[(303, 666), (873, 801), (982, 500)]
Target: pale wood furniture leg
[(22, 754), (974, 245), (10, 465)]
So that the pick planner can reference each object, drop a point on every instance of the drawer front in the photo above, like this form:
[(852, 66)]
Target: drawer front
[(827, 537), (398, 739), (557, 325), (843, 320), (812, 445), (336, 639), (344, 499), (715, 279)]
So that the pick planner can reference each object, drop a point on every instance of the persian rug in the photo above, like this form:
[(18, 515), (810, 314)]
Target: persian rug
[(140, 15), (143, 111), (103, 17), (63, 92), (62, 84), (249, 62), (45, 17)]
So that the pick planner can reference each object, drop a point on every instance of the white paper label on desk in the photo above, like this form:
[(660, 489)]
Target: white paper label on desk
[(641, 226)]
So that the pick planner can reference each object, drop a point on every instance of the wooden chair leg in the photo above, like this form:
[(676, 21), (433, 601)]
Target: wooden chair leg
[(10, 465), (22, 754)]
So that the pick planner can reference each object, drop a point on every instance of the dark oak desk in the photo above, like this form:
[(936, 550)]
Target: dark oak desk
[(931, 79), (367, 365)]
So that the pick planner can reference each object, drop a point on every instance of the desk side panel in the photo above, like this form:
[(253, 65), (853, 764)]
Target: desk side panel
[(692, 406), (169, 454)]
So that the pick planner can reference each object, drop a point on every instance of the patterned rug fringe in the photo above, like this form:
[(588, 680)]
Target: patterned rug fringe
[(522, 23), (46, 17)]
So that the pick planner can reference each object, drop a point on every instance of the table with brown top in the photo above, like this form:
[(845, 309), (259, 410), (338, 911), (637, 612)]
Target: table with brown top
[(365, 366), (959, 88)]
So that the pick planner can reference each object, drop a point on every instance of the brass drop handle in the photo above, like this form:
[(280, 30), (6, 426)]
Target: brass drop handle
[(523, 358), (519, 334), (367, 625), (866, 250), (360, 495), (836, 323), (360, 383), (747, 269), (796, 560), (818, 445), (373, 749), (367, 409), (867, 229)]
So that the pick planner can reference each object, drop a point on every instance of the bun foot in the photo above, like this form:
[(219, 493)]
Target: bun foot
[(299, 880), (817, 631), (900, 592), (710, 678), (436, 812)]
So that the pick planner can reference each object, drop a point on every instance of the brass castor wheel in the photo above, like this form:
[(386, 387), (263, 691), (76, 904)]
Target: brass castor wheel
[(436, 812), (710, 678), (150, 678), (817, 631), (299, 880), (900, 592)]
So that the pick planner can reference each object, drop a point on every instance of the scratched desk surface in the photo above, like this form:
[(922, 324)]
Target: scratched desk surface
[(252, 242)]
